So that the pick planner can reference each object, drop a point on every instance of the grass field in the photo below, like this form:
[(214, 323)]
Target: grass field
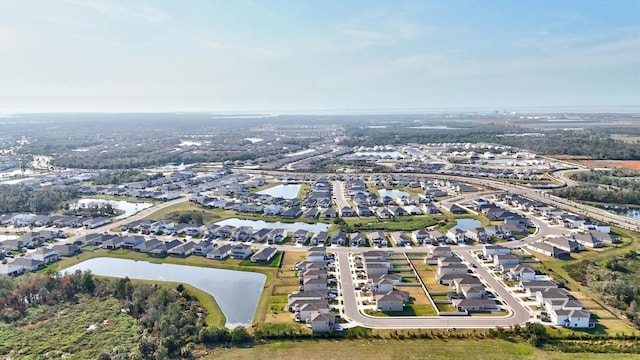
[(486, 349), (81, 331)]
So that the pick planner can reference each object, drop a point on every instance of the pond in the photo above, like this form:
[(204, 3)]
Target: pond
[(633, 213), (236, 292), (466, 224), (129, 208), (259, 224), (392, 193), (285, 191)]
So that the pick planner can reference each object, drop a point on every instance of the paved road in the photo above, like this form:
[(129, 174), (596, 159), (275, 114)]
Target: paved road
[(339, 195), (518, 315)]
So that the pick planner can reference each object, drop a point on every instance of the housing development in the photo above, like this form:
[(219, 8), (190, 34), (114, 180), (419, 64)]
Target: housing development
[(410, 236)]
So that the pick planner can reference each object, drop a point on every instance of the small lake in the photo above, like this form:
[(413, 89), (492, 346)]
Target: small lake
[(236, 292), (633, 213), (466, 224), (259, 224), (129, 208), (392, 193), (379, 154), (285, 191)]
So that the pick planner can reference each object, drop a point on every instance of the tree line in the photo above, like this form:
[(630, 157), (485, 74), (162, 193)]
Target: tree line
[(43, 200)]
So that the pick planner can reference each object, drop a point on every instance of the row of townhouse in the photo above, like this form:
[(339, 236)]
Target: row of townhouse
[(469, 293), (310, 305), (37, 259), (178, 248), (59, 221), (562, 247), (376, 266), (550, 213)]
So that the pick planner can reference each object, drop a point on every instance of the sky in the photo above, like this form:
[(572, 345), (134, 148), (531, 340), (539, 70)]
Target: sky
[(332, 55)]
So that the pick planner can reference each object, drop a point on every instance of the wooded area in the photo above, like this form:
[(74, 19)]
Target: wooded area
[(170, 321)]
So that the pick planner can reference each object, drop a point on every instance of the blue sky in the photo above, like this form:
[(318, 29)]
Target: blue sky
[(279, 56)]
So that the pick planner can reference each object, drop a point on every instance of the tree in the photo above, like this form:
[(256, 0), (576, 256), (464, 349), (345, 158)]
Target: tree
[(239, 336)]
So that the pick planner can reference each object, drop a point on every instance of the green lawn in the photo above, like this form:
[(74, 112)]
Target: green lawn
[(384, 349)]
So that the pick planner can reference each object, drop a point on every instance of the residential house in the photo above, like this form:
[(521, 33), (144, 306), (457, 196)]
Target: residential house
[(506, 259), (571, 318), (320, 322), (328, 213), (66, 249), (437, 237), (587, 240), (300, 237), (319, 238), (456, 235), (490, 250), (357, 239), (476, 234), (182, 250), (390, 301), (400, 239), (292, 213), (604, 237), (264, 255), (308, 310), (202, 248), (475, 305), (522, 272), (566, 244), (220, 253), (28, 264), (260, 235), (378, 238), (339, 239), (530, 287), (383, 213), (96, 222), (10, 269), (113, 243), (421, 237), (276, 236), (314, 284), (549, 250), (241, 251), (45, 255), (163, 249), (131, 241), (147, 245)]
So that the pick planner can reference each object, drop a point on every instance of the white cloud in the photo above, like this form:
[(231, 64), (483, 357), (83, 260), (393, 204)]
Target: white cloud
[(132, 11)]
